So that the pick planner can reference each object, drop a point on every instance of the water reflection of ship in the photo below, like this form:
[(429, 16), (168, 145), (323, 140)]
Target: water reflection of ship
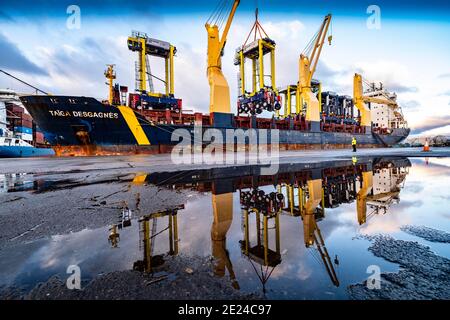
[(387, 183), (305, 193)]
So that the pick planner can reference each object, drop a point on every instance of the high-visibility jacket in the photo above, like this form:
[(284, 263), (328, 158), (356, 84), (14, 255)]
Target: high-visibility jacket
[(353, 142)]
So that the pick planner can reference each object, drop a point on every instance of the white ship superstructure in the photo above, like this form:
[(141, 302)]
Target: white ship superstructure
[(384, 116)]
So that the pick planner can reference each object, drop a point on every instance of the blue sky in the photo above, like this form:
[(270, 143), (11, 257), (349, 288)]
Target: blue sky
[(409, 53)]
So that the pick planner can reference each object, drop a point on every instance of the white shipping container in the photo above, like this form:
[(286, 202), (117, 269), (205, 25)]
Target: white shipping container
[(26, 136)]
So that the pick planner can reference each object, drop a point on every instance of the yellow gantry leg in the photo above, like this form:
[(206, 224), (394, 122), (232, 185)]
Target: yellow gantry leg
[(172, 81), (266, 240), (147, 246), (143, 66), (167, 84), (272, 68), (261, 64), (242, 67), (175, 233)]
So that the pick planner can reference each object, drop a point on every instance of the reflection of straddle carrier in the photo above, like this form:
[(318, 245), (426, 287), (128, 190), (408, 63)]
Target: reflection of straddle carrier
[(265, 208), (147, 238)]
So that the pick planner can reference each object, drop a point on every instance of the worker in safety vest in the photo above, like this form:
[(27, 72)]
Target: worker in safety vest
[(354, 144)]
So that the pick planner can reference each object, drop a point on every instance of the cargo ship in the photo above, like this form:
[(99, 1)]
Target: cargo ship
[(19, 136), (303, 116)]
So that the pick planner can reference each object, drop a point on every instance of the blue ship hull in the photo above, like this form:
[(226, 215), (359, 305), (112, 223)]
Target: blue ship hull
[(83, 122), (24, 152)]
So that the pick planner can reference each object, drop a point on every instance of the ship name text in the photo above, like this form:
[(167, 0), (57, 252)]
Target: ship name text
[(84, 114)]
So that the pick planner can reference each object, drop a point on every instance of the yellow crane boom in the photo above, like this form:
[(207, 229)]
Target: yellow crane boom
[(219, 89), (307, 67)]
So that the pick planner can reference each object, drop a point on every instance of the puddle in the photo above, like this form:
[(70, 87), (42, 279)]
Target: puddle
[(288, 236)]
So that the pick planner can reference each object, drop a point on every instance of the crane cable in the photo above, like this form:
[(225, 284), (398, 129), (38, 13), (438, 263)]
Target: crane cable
[(311, 43), (218, 16), (26, 83), (309, 47)]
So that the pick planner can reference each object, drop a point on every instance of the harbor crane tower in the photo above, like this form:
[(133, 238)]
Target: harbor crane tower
[(219, 105)]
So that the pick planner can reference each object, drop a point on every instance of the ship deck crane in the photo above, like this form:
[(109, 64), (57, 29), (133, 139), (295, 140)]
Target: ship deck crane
[(307, 67), (360, 102), (110, 75), (219, 106)]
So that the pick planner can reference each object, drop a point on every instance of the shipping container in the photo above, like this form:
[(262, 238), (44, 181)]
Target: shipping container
[(25, 136), (23, 130), (14, 109), (26, 117), (39, 138), (21, 123)]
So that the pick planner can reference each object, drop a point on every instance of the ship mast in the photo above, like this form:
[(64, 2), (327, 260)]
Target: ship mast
[(110, 74)]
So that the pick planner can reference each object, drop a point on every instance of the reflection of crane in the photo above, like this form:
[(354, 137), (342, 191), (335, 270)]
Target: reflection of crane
[(361, 197), (219, 89), (360, 102), (312, 234), (223, 217), (310, 206), (307, 67)]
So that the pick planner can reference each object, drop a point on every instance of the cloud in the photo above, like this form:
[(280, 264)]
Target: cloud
[(5, 17), (440, 131), (13, 59), (410, 104), (444, 75), (431, 123), (445, 93), (395, 76), (399, 88)]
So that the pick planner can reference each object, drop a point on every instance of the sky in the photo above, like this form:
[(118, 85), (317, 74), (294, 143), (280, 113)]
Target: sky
[(409, 52)]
